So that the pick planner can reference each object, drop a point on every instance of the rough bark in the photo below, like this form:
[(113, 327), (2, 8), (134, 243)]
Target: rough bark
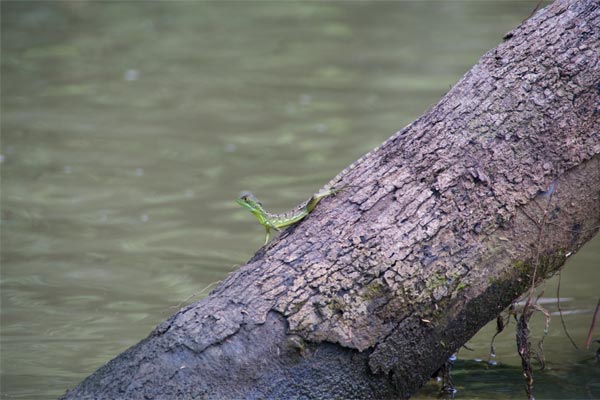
[(439, 233)]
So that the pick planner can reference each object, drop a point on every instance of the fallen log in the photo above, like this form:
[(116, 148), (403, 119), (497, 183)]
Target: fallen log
[(440, 229)]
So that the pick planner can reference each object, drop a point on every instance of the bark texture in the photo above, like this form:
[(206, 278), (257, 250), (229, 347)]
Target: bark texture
[(440, 232)]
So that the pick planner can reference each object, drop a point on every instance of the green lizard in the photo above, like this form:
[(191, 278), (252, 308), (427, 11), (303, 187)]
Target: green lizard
[(283, 220)]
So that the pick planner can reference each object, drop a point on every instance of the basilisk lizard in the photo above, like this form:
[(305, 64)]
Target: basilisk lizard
[(283, 220)]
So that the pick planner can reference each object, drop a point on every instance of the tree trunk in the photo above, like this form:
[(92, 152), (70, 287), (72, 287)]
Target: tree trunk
[(440, 230)]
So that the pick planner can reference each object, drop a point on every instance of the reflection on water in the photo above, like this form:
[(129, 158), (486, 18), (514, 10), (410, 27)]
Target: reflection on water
[(129, 128)]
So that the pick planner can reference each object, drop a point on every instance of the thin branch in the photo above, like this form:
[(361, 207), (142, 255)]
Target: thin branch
[(562, 320), (594, 318)]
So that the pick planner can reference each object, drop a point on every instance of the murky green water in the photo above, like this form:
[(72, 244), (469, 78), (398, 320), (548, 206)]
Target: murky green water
[(129, 128)]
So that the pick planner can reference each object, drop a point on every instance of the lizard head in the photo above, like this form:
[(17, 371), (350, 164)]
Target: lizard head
[(249, 201)]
